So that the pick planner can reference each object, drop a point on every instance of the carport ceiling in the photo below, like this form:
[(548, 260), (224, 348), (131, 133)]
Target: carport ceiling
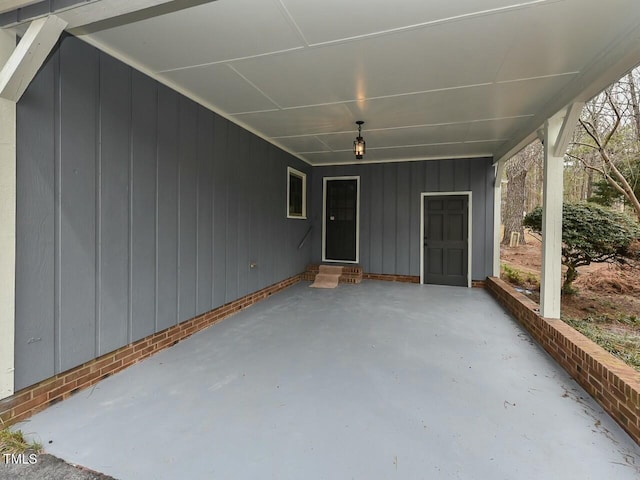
[(431, 79)]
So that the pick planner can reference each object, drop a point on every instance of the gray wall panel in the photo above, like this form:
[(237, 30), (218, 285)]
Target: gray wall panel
[(113, 208), (233, 146), (35, 229), (446, 176), (417, 185), (77, 284), (390, 210), (220, 220), (282, 222), (139, 208), (257, 211), (377, 219), (478, 183), (143, 197), (461, 172), (365, 213), (268, 181), (314, 213), (205, 209), (270, 177), (431, 177), (243, 201), (187, 214), (390, 217), (403, 222), (167, 209), (484, 200)]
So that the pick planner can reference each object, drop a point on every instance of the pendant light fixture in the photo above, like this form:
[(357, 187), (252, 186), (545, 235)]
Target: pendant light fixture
[(358, 143)]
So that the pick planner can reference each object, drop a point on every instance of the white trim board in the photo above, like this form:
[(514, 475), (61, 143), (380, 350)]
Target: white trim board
[(324, 217), (469, 227)]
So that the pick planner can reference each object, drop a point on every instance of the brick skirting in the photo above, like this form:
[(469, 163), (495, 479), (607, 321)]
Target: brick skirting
[(31, 400), (409, 279), (392, 278), (611, 382), (312, 270)]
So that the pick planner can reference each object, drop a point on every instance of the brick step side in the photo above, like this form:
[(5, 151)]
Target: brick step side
[(350, 274)]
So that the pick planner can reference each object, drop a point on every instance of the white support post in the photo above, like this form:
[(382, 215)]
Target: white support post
[(550, 285), (7, 227), (497, 216)]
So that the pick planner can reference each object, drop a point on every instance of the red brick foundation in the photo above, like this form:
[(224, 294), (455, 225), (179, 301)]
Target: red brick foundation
[(614, 384), (409, 279), (354, 275), (32, 399), (392, 278)]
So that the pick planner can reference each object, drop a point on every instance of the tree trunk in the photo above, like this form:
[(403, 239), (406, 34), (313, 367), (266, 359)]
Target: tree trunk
[(570, 277), (515, 204), (634, 104)]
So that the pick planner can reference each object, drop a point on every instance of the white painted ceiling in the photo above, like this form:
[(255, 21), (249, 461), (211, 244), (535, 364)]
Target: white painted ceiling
[(431, 79)]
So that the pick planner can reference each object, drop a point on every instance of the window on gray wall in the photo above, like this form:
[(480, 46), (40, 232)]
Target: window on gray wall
[(296, 194)]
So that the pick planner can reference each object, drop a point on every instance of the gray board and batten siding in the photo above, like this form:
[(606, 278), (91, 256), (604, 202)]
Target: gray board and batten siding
[(390, 196), (137, 209)]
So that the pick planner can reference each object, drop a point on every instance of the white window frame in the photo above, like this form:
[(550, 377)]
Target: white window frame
[(303, 176)]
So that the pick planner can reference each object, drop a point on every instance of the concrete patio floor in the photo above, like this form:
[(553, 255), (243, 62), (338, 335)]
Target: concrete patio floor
[(375, 381)]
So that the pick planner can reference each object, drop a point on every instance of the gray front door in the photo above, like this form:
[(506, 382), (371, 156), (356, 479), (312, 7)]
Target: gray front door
[(446, 240)]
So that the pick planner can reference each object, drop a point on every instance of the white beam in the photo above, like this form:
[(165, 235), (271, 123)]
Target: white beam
[(29, 55), (550, 285), (571, 116), (7, 228), (105, 9), (497, 216)]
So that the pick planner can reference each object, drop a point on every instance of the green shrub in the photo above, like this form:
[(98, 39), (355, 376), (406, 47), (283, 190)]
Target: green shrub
[(590, 234), (512, 275)]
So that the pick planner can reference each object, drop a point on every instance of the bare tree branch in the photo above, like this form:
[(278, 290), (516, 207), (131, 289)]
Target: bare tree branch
[(595, 147), (613, 129), (592, 133), (610, 126)]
